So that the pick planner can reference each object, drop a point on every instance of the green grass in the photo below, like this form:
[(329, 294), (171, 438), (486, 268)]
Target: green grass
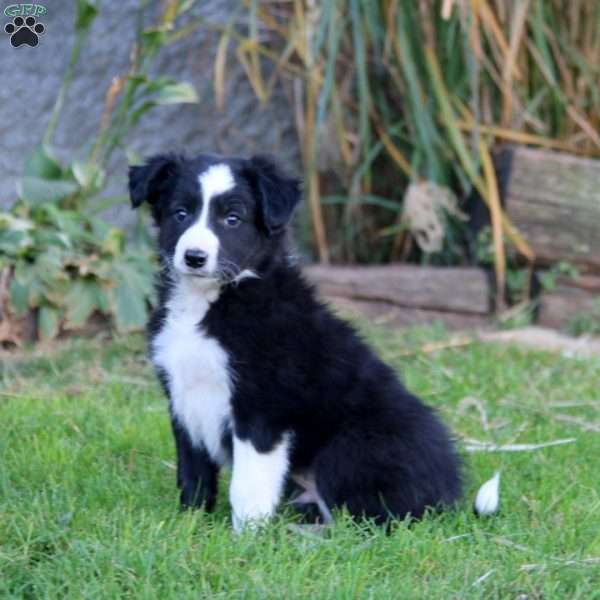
[(88, 506)]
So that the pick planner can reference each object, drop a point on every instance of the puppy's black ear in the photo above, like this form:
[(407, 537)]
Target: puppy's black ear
[(148, 182), (277, 193)]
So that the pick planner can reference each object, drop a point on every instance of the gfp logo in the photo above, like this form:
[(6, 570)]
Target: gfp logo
[(24, 28)]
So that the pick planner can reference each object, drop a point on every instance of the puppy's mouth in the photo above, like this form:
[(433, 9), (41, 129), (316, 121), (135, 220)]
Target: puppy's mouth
[(199, 275), (195, 274), (180, 270), (225, 273), (209, 278)]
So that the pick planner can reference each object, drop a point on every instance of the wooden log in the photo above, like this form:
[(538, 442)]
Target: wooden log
[(401, 295), (554, 201), (571, 298), (390, 315)]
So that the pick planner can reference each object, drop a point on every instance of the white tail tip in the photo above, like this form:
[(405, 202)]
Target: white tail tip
[(487, 500)]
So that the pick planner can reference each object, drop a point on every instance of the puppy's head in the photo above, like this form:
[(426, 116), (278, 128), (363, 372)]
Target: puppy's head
[(218, 218)]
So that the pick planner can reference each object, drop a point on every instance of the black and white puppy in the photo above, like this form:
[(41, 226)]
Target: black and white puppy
[(260, 374)]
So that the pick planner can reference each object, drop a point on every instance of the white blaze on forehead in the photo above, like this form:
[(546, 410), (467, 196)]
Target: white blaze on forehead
[(216, 180)]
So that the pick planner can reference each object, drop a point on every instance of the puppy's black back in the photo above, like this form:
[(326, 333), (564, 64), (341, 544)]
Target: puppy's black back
[(372, 446)]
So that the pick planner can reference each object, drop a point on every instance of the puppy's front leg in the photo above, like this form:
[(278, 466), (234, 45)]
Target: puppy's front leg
[(257, 481), (196, 472)]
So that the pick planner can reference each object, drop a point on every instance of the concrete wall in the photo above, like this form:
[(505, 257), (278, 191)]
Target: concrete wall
[(32, 76)]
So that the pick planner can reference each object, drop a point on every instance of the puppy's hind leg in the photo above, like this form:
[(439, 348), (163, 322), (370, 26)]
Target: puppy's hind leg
[(310, 495), (390, 475), (356, 474)]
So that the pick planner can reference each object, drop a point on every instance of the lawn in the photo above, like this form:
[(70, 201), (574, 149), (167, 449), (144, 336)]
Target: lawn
[(88, 505)]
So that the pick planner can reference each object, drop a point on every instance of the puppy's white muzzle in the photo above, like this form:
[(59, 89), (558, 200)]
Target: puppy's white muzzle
[(196, 251)]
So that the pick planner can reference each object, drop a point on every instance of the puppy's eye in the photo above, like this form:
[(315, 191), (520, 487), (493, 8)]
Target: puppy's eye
[(181, 215), (232, 220)]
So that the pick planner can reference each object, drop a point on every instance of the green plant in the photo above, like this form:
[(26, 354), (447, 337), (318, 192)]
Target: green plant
[(67, 266), (64, 262)]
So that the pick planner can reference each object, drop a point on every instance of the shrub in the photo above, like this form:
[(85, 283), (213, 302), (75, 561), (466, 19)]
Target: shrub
[(60, 261)]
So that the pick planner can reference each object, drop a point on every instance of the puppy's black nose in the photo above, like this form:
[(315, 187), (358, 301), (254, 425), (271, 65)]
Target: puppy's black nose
[(195, 258)]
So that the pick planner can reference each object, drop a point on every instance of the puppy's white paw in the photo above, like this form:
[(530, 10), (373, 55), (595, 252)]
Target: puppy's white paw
[(257, 482)]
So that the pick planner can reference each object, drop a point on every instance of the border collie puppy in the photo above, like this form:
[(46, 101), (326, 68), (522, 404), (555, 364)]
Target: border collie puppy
[(259, 374)]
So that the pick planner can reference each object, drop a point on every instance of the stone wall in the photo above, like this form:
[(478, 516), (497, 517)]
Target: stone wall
[(32, 77)]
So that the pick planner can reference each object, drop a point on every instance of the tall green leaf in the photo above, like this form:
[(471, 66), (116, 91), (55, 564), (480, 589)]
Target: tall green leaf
[(81, 301), (38, 191), (48, 322), (129, 307), (42, 163)]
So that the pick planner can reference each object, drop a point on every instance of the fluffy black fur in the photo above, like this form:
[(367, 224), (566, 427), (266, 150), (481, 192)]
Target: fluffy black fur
[(373, 446)]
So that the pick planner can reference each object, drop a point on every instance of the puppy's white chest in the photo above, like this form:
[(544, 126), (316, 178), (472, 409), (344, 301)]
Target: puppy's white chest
[(198, 373)]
